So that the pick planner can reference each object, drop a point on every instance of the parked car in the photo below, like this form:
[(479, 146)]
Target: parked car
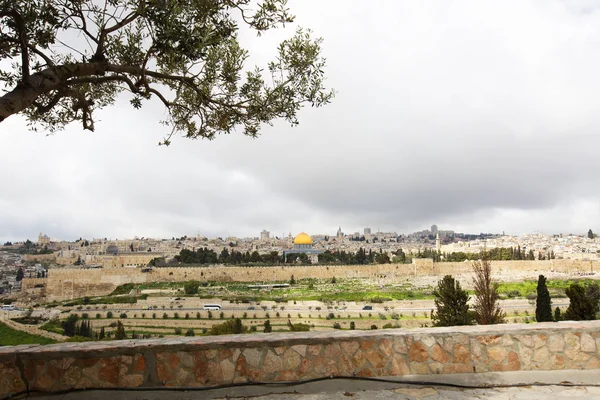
[(367, 308)]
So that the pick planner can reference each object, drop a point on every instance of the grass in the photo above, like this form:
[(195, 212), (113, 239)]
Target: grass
[(11, 337), (527, 289)]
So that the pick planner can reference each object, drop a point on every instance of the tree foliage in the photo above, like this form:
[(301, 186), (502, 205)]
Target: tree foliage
[(120, 332), (451, 303), (73, 57), (583, 302), (232, 326), (543, 303), (486, 306), (191, 287)]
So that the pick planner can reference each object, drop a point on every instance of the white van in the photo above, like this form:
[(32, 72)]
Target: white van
[(8, 307), (212, 307)]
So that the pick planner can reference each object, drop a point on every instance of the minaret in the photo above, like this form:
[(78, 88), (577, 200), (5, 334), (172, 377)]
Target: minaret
[(438, 244)]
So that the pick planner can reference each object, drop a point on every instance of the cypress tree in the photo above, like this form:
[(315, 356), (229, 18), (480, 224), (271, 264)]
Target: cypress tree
[(543, 303)]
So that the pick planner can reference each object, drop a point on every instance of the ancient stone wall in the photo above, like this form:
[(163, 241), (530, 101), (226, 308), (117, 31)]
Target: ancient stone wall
[(65, 283), (236, 359), (30, 283)]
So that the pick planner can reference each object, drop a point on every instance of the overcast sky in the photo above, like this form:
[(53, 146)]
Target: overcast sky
[(473, 115)]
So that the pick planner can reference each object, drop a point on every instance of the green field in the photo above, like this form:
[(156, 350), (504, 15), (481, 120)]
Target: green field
[(11, 337)]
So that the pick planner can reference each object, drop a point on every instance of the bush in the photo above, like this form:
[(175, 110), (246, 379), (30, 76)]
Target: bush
[(382, 316), (222, 315), (178, 331), (373, 327), (191, 287), (165, 316), (153, 315), (253, 328), (210, 315), (176, 315), (123, 315), (190, 332), (337, 325), (268, 327), (232, 326), (109, 314), (98, 316), (298, 327), (352, 325)]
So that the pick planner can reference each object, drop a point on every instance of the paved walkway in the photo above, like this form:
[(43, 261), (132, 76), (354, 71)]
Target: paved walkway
[(542, 385)]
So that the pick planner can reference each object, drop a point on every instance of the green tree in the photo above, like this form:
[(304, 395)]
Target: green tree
[(191, 287), (451, 303), (543, 303), (184, 54), (486, 306), (120, 332), (20, 274), (583, 302), (190, 332), (69, 325), (292, 280), (590, 234)]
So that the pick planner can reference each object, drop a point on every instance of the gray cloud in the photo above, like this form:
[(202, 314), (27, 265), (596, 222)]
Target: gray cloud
[(477, 116)]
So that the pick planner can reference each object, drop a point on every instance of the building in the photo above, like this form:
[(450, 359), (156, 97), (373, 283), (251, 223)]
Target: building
[(367, 231), (265, 235), (303, 244), (340, 233), (434, 230)]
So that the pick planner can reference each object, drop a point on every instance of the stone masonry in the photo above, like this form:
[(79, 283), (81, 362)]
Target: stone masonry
[(209, 361)]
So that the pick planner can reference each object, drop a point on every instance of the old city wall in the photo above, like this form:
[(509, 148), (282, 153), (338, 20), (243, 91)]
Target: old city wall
[(30, 283), (300, 356), (64, 283)]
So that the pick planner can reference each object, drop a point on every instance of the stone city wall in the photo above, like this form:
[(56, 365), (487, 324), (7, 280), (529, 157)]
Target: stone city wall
[(236, 359), (30, 283), (69, 283)]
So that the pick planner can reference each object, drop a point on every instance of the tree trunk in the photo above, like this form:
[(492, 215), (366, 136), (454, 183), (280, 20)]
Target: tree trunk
[(52, 78)]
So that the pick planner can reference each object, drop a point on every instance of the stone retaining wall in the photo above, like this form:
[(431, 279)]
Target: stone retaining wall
[(209, 361)]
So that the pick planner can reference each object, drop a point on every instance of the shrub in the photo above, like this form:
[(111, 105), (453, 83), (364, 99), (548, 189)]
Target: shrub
[(330, 316), (268, 327), (222, 315), (197, 315), (352, 325), (382, 316), (191, 287), (176, 315), (373, 327), (190, 332), (232, 326), (210, 315), (187, 316), (98, 316), (337, 325), (123, 315), (245, 315), (178, 331), (153, 315), (109, 314), (85, 316), (298, 327), (165, 316), (253, 328)]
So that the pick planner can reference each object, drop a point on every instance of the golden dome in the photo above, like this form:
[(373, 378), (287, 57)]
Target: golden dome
[(303, 238)]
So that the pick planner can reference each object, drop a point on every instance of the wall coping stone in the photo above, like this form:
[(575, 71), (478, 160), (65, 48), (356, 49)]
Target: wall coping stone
[(292, 338)]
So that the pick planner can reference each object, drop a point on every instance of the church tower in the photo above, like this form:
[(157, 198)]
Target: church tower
[(438, 244)]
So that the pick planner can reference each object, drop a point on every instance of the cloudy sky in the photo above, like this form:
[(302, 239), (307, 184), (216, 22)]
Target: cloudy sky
[(473, 115)]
